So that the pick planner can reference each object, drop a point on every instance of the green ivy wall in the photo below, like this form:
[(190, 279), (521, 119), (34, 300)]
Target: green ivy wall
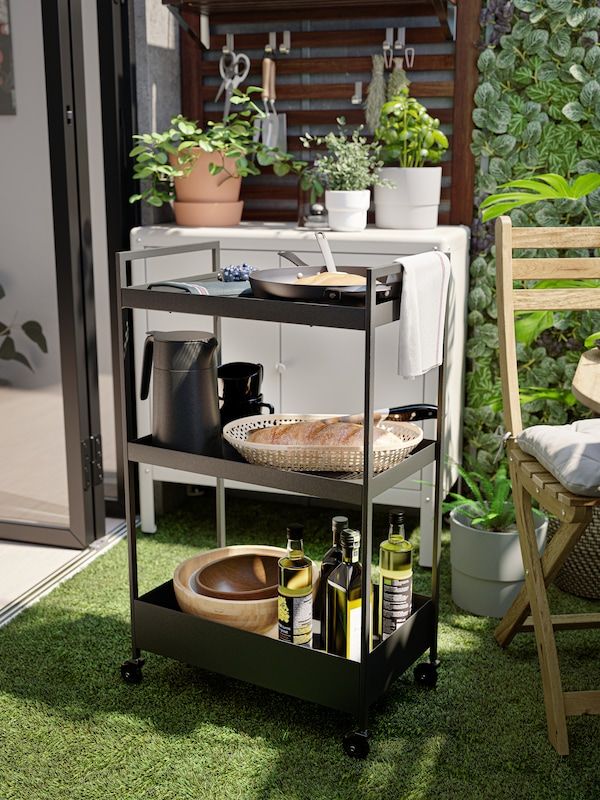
[(537, 109)]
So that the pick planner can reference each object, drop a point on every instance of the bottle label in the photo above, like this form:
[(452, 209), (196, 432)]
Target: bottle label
[(396, 604), (295, 619), (353, 630)]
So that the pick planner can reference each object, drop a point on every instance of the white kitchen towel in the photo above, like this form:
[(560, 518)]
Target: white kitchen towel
[(425, 281)]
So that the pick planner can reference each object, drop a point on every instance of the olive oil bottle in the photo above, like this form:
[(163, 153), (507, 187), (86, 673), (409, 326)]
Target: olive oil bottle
[(331, 559), (295, 611), (344, 600), (395, 577)]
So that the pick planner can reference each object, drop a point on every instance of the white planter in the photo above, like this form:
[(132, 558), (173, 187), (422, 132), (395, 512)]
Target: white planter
[(487, 567), (414, 201), (347, 211)]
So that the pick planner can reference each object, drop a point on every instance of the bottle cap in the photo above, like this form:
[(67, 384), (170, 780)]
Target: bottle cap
[(396, 517), (295, 531), (350, 538), (338, 524)]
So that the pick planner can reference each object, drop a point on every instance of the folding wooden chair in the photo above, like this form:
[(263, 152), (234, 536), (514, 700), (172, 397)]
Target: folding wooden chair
[(530, 611)]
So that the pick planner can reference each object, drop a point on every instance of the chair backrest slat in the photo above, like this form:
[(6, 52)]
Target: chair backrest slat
[(560, 238), (576, 269), (511, 300), (556, 299)]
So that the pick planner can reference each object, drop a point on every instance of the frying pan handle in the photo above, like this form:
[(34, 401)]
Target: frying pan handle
[(289, 256), (414, 412)]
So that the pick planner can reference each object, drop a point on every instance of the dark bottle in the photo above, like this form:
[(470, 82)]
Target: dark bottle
[(395, 577), (331, 559), (344, 601), (295, 613)]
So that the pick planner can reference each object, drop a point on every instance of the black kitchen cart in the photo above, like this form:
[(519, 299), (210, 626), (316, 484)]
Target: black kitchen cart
[(157, 623)]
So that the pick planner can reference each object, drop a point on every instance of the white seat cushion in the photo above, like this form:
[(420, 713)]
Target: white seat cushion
[(569, 452)]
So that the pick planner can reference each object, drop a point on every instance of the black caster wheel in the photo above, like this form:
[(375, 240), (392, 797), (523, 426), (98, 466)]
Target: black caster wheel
[(426, 674), (356, 744), (131, 671)]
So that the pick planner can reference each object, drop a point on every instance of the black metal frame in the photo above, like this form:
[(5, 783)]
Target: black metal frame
[(65, 92), (118, 101), (157, 624)]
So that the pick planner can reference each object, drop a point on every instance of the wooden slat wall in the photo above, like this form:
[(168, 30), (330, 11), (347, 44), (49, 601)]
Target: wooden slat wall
[(315, 82)]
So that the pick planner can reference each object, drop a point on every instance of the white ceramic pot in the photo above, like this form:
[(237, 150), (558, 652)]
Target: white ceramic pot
[(414, 201), (487, 567), (347, 210)]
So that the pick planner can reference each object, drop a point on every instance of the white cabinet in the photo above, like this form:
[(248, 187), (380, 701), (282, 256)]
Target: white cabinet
[(314, 370)]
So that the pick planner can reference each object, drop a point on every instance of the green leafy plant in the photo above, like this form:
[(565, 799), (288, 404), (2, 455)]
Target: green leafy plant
[(488, 508), (161, 157), (408, 134), (31, 329), (349, 164), (537, 58), (538, 188)]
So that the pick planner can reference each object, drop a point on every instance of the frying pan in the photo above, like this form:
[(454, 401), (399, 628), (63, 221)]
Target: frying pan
[(281, 283)]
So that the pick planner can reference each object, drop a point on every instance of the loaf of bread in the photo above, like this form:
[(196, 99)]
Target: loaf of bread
[(322, 434)]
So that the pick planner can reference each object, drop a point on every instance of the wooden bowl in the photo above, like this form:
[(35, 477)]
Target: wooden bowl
[(259, 616), (240, 577)]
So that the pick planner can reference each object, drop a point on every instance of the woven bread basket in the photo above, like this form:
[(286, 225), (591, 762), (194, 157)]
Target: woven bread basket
[(580, 574), (316, 458)]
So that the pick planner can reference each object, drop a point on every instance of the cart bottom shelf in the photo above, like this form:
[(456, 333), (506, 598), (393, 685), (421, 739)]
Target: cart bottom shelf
[(162, 628)]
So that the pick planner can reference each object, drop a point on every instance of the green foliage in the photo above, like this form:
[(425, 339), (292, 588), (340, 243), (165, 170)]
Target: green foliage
[(8, 348), (160, 157), (488, 507), (350, 163), (536, 189), (536, 120), (409, 136)]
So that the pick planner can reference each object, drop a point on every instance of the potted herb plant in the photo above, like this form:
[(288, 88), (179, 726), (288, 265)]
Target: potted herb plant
[(346, 172), (200, 170), (409, 138), (487, 567)]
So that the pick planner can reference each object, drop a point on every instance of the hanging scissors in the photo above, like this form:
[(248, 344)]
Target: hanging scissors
[(234, 69)]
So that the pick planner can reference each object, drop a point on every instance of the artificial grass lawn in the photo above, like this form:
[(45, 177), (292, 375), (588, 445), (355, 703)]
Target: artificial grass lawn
[(70, 728)]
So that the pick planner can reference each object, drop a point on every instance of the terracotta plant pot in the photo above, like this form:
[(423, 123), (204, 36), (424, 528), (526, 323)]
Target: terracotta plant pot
[(205, 200), (208, 215), (202, 187)]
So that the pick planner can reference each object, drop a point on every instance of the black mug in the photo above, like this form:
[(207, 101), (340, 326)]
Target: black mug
[(239, 384)]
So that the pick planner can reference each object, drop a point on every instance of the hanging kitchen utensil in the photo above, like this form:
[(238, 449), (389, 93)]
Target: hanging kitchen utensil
[(281, 138), (325, 251), (234, 69), (267, 125)]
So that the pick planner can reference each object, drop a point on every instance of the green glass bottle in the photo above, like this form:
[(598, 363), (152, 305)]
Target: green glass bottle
[(331, 559), (295, 611), (395, 577), (344, 600)]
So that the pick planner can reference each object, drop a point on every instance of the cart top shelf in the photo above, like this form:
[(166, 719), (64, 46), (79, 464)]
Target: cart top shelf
[(292, 311)]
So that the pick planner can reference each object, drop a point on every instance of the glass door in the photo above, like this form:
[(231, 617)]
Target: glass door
[(51, 465)]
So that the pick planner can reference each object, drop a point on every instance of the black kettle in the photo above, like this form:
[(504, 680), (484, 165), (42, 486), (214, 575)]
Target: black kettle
[(185, 404)]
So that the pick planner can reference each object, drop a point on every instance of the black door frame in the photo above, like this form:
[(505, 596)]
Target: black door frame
[(65, 94), (118, 100)]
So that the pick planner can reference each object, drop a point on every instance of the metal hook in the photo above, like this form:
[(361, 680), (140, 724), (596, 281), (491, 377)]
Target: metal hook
[(286, 44), (400, 42), (272, 44), (357, 97), (388, 50), (409, 57), (229, 46)]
